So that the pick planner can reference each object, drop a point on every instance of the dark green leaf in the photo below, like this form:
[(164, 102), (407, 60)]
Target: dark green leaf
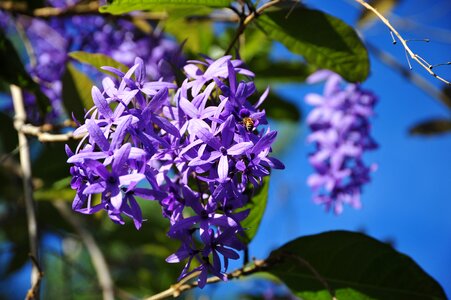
[(278, 108), (282, 72), (257, 206), (431, 127), (116, 7), (76, 91), (97, 60), (323, 40), (51, 166), (353, 265), (447, 96), (13, 72), (8, 138)]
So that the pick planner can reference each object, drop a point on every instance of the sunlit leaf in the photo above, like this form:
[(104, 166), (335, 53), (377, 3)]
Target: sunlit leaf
[(116, 7), (256, 45), (97, 60), (198, 34), (323, 40), (431, 127), (76, 91), (60, 190), (351, 266)]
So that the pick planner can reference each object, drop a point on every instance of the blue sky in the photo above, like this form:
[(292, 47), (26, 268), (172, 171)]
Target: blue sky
[(408, 199)]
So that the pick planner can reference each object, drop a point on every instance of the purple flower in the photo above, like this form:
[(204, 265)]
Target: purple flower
[(191, 151), (53, 38), (341, 132)]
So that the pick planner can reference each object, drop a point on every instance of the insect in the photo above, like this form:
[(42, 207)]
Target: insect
[(248, 123)]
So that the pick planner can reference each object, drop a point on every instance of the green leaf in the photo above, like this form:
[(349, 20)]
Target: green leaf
[(76, 91), (198, 34), (256, 47), (97, 60), (60, 190), (8, 138), (282, 72), (431, 127), (50, 166), (446, 96), (353, 265), (257, 206), (12, 71), (117, 7), (278, 108), (323, 40)]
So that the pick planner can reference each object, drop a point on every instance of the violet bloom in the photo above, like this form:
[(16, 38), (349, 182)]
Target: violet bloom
[(53, 38), (341, 132), (192, 150), (220, 153)]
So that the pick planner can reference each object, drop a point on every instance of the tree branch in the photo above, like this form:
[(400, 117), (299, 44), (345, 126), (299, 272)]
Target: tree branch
[(25, 163), (180, 287), (423, 63), (46, 12), (97, 258), (413, 77), (249, 18), (43, 136)]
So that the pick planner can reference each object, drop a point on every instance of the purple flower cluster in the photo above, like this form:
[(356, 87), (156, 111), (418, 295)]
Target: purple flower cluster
[(198, 149), (341, 132), (53, 38)]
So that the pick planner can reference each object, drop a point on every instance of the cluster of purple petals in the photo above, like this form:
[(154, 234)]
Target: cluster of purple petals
[(199, 149), (341, 133), (52, 39)]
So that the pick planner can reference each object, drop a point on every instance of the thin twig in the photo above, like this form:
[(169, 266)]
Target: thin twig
[(249, 18), (46, 12), (25, 163), (122, 294), (43, 136), (416, 79), (409, 52), (178, 288), (97, 258)]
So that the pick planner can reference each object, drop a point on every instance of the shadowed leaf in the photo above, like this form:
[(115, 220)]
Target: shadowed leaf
[(431, 127), (323, 40), (278, 108), (352, 266), (13, 72)]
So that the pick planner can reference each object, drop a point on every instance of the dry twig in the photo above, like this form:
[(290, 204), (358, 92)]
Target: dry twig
[(25, 163), (97, 257), (422, 62), (176, 289)]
